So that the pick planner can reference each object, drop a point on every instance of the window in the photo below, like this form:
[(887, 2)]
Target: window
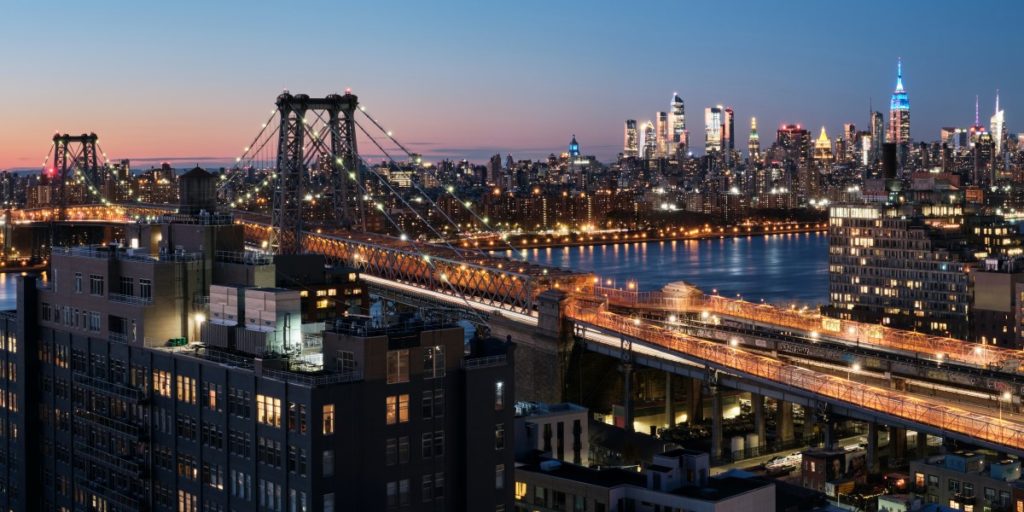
[(403, 449), (213, 475), (403, 492), (328, 427), (391, 490), (297, 460), (499, 476), (397, 409), (398, 366), (78, 282), (268, 410), (391, 451), (499, 395), (238, 402), (323, 303), (239, 443), (268, 452), (433, 362), (162, 383), (427, 488), (127, 286), (210, 396), (297, 417), (432, 444), (520, 490), (329, 502), (346, 362), (328, 462), (296, 501), (95, 284), (270, 495), (94, 321), (145, 288), (186, 389), (187, 502), (499, 436)]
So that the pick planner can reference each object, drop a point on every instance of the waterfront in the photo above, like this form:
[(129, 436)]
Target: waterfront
[(782, 269)]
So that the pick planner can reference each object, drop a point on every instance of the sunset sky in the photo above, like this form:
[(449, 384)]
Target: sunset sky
[(192, 81)]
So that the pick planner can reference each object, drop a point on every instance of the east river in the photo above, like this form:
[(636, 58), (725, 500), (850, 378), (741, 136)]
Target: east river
[(780, 269)]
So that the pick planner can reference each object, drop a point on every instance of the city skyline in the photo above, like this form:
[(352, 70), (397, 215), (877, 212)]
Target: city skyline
[(113, 89)]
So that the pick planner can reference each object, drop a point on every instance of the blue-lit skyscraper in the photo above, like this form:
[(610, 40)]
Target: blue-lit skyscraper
[(899, 111), (574, 147)]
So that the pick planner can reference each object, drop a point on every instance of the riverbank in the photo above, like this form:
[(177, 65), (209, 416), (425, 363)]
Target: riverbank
[(553, 241)]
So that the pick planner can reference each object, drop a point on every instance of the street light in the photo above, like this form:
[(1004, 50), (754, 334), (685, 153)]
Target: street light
[(1005, 397), (854, 368)]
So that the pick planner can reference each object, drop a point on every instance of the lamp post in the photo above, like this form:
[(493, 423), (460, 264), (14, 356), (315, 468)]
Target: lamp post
[(1006, 396), (854, 368)]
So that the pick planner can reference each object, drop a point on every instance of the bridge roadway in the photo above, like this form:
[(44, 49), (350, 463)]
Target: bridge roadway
[(484, 284), (738, 368)]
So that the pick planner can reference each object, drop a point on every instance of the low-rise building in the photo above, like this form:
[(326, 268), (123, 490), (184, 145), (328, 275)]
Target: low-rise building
[(966, 481)]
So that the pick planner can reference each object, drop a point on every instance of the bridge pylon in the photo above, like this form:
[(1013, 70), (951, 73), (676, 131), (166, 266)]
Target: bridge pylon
[(72, 152), (300, 146)]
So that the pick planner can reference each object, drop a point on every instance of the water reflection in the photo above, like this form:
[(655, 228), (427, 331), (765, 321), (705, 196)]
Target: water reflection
[(9, 289), (775, 268)]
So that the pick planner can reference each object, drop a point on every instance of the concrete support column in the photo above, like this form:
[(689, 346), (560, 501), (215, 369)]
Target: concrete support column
[(784, 422), (757, 402), (716, 424), (872, 454), (627, 403), (898, 443), (694, 401), (810, 422), (828, 434), (670, 405), (922, 445)]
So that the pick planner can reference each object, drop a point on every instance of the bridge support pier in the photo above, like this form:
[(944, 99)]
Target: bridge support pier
[(784, 422), (810, 422), (757, 404), (897, 444), (872, 455), (670, 406), (627, 403), (716, 424), (921, 440), (541, 352), (694, 401)]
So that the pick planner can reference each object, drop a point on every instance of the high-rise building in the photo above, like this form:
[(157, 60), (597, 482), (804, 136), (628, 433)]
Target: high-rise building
[(850, 138), (712, 129), (754, 142), (728, 130), (631, 140), (574, 148), (650, 143), (795, 144), (998, 124), (877, 136), (662, 134), (822, 150), (977, 128), (899, 111), (121, 409), (678, 122)]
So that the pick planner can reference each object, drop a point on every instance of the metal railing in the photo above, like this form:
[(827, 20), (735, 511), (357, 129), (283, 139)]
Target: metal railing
[(941, 417), (484, 362), (130, 299)]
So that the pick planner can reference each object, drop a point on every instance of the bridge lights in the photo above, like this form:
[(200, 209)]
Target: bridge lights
[(733, 342), (672, 319), (815, 335), (704, 315), (1005, 397)]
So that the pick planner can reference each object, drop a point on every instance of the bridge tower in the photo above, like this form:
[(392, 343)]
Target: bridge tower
[(72, 152), (335, 160)]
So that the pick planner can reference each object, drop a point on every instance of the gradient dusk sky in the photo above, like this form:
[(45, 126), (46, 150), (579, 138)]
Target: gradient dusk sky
[(193, 80)]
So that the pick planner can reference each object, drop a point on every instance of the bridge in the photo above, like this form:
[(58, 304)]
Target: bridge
[(786, 354)]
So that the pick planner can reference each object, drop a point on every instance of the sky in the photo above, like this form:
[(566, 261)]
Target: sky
[(191, 81)]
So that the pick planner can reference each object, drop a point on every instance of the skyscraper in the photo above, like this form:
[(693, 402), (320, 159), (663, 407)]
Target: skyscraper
[(574, 148), (712, 129), (754, 142), (795, 143), (877, 136), (899, 111), (822, 149), (662, 133), (631, 140), (728, 131), (650, 145), (998, 124), (678, 121), (850, 138), (977, 128)]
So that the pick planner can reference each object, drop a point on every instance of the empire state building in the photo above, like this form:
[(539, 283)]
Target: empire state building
[(899, 111)]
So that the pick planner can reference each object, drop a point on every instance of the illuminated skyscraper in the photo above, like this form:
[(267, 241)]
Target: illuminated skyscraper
[(899, 111), (850, 141), (574, 148), (795, 143), (678, 121), (754, 142), (712, 129), (662, 133), (650, 143), (977, 129), (998, 124), (823, 150), (631, 140)]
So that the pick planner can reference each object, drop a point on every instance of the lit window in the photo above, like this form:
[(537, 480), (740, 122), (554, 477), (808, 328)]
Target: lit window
[(268, 410), (499, 395), (323, 304), (328, 419), (397, 409)]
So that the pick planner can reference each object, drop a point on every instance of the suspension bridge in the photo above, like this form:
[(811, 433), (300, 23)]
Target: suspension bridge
[(324, 197)]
